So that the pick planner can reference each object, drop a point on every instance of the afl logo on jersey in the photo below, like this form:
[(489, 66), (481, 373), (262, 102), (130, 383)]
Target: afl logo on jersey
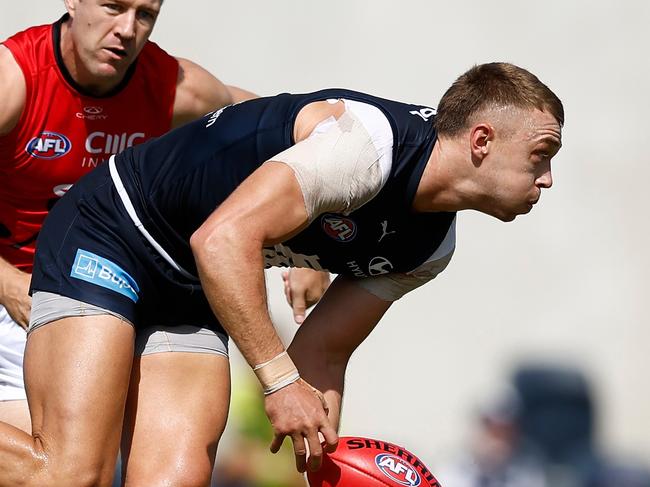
[(398, 470), (338, 227), (48, 145)]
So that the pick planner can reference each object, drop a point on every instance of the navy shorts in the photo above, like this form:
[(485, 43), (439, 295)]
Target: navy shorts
[(90, 250)]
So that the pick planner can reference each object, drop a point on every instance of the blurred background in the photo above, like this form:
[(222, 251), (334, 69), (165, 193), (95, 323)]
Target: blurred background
[(547, 312)]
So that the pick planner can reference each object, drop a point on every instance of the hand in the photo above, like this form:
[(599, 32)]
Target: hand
[(15, 297), (300, 412), (303, 288)]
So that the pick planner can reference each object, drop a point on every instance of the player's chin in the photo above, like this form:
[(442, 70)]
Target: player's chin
[(524, 210), (508, 216)]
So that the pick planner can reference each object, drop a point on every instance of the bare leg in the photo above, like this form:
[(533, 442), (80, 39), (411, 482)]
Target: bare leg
[(176, 413), (76, 374)]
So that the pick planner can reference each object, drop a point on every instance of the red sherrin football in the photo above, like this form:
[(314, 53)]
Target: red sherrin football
[(364, 462)]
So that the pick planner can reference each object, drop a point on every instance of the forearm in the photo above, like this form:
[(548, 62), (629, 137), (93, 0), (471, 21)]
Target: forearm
[(326, 374), (324, 344), (237, 294), (9, 275)]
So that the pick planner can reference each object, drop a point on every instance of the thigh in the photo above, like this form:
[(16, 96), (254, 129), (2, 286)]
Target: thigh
[(176, 413), (77, 372)]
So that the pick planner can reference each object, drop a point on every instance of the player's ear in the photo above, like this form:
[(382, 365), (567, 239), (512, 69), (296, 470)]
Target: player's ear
[(70, 6), (479, 137)]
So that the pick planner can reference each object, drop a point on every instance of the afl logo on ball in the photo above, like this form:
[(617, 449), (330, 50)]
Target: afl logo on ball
[(398, 470), (338, 227), (48, 145)]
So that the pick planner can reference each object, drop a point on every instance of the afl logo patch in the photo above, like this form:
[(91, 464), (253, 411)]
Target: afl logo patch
[(338, 227), (398, 470), (48, 145)]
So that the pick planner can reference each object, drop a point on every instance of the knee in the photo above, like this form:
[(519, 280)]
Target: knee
[(47, 470), (76, 475), (74, 470), (182, 473)]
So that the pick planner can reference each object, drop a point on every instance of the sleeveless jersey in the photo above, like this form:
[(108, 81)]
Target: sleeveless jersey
[(64, 132), (175, 182)]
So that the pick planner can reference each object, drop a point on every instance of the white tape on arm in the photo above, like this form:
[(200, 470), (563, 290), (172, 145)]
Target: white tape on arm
[(277, 373), (341, 166)]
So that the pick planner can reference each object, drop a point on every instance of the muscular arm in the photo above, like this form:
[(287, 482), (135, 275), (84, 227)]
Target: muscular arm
[(13, 89), (14, 284), (265, 209), (324, 343), (199, 92)]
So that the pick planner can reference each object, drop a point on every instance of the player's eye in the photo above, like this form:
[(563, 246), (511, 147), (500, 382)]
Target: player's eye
[(113, 7), (146, 16)]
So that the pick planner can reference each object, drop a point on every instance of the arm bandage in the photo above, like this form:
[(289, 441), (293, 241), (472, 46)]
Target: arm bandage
[(344, 163), (277, 373)]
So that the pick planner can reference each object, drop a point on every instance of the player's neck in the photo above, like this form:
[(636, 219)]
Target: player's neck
[(447, 183)]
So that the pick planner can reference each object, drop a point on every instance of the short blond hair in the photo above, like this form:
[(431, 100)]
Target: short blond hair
[(493, 84)]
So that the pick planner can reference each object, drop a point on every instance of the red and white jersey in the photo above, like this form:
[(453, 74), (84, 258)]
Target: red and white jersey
[(63, 132)]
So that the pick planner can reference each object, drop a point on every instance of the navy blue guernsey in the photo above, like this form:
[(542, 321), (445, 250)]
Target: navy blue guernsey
[(175, 182)]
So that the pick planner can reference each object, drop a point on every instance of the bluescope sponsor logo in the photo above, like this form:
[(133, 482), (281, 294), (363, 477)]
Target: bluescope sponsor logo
[(48, 145), (102, 272), (338, 227), (397, 470)]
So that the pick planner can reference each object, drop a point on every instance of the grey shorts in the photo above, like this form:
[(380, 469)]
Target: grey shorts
[(49, 307)]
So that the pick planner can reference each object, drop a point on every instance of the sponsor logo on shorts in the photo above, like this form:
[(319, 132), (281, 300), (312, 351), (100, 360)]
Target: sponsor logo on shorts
[(338, 227), (48, 145), (102, 272), (397, 470)]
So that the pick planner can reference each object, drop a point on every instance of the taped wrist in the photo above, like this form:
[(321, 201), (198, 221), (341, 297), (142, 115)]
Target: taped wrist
[(277, 373)]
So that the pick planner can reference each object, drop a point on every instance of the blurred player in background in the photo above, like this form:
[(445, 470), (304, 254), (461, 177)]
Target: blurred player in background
[(73, 93), (177, 232)]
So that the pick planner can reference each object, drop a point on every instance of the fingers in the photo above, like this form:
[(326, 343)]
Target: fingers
[(287, 286), (303, 446), (300, 451), (299, 307), (294, 413), (331, 438), (278, 439), (315, 452)]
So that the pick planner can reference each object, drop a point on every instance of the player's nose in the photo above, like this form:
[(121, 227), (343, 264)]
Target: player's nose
[(545, 180)]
